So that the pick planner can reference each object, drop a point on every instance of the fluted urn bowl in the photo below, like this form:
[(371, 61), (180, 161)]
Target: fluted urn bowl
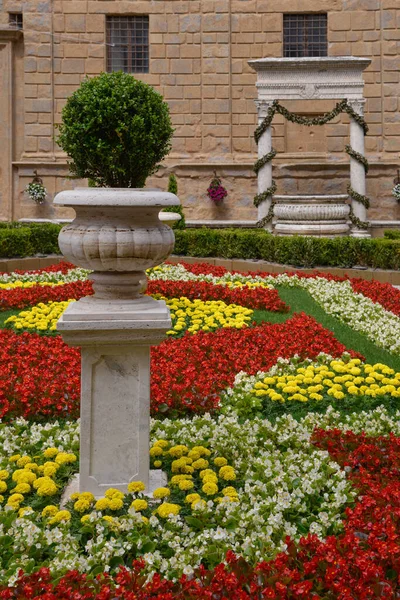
[(117, 233)]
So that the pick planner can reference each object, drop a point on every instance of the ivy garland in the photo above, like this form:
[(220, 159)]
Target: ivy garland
[(265, 195), (276, 107), (358, 157)]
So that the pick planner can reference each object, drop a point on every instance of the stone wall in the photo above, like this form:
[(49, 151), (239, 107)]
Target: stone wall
[(199, 52)]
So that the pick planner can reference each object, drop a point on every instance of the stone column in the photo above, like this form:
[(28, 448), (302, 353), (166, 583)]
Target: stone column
[(264, 176), (357, 171)]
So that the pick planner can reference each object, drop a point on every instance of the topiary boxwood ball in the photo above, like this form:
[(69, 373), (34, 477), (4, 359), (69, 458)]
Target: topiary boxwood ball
[(116, 130)]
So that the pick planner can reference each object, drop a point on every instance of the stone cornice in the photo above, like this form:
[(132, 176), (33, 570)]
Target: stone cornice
[(314, 63), (10, 35)]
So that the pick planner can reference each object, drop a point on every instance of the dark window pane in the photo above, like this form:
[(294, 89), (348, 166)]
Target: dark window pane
[(305, 35), (15, 20), (128, 44)]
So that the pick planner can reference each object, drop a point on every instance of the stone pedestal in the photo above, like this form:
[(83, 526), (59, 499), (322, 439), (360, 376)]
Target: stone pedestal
[(118, 234), (115, 338)]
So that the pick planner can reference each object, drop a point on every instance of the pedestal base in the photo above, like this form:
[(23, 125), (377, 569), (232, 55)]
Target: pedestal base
[(157, 479), (115, 337)]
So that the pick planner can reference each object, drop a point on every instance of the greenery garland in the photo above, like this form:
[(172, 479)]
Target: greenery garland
[(356, 221), (276, 107), (264, 160), (265, 195), (358, 157), (364, 200)]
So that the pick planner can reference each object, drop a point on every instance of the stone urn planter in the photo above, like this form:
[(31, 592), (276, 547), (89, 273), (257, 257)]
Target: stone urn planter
[(170, 218), (118, 234)]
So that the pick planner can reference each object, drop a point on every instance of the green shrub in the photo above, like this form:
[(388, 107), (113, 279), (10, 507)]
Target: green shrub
[(116, 129), (295, 251), (392, 234), (173, 189), (28, 239), (16, 242)]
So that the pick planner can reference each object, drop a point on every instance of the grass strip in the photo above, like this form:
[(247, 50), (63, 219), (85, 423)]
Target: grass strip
[(300, 300)]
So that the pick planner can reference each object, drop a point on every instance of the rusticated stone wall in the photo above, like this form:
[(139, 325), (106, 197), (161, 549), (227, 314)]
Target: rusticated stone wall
[(198, 61)]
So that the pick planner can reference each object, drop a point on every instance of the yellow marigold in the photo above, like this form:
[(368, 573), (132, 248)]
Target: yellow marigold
[(49, 471), (161, 492), (20, 488), (161, 443), (85, 519), (40, 481), (220, 461), (210, 488), (31, 466), (229, 491), (139, 505), (50, 452), (110, 520), (75, 496), (166, 509), (157, 464), (210, 478), (201, 450), (190, 498), (15, 498), (82, 505), (136, 486), (114, 493), (102, 504), (116, 504), (49, 511), (178, 451), (4, 475), (87, 496), (14, 458), (21, 462), (175, 479), (1, 498), (145, 520), (48, 488), (202, 463), (206, 472), (156, 451), (3, 487), (186, 484), (60, 516), (64, 458), (227, 473)]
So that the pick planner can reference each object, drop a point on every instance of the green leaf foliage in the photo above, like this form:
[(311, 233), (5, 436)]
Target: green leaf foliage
[(116, 129), (173, 189)]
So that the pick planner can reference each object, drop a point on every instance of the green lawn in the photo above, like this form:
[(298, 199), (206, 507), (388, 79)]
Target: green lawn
[(300, 300)]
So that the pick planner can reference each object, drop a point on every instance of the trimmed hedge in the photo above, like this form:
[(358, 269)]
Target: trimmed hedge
[(28, 239), (392, 234), (297, 251)]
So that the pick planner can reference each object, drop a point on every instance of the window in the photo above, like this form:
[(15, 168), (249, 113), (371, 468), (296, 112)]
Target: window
[(128, 44), (305, 35), (15, 20)]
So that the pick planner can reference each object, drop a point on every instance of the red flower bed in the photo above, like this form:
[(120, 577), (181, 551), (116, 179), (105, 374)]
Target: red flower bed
[(40, 376), (255, 298), (381, 293), (62, 266), (24, 297), (363, 563), (189, 373)]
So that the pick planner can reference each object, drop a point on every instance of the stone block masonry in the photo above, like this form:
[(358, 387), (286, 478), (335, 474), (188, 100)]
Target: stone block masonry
[(198, 61)]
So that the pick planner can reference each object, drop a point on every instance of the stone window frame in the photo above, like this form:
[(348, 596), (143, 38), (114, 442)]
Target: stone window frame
[(137, 59), (299, 29)]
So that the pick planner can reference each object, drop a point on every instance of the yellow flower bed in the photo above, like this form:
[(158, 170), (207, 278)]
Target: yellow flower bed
[(336, 379), (12, 285), (186, 315), (30, 479), (199, 315), (41, 317)]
